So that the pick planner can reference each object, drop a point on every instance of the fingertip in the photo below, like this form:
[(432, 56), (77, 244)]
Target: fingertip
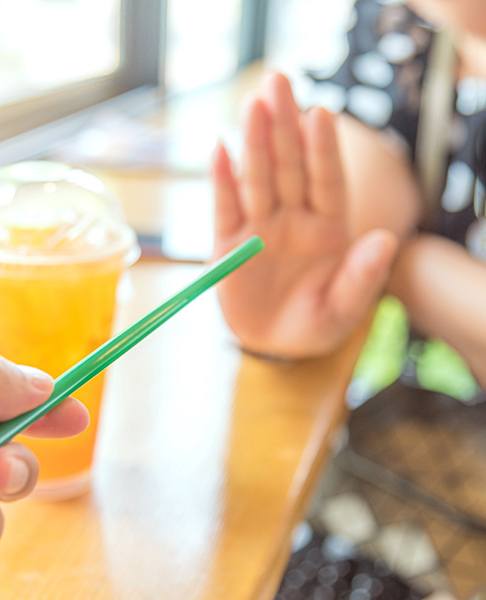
[(226, 207), (280, 98), (219, 150), (320, 120), (376, 251), (386, 239), (39, 381), (277, 82), (21, 388), (318, 113), (68, 419), (255, 107), (221, 160), (274, 78), (80, 417), (322, 140)]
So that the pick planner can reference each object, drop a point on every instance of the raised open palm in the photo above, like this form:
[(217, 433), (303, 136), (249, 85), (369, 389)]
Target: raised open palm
[(312, 284)]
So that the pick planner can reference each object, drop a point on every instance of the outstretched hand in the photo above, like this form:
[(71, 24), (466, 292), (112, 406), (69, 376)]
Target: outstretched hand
[(312, 285)]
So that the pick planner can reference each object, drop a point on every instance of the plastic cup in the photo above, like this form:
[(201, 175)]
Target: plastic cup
[(63, 250)]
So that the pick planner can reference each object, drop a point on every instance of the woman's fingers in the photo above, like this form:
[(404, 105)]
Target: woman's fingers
[(229, 217), (257, 179), (287, 149), (326, 181), (68, 419), (18, 472), (21, 388)]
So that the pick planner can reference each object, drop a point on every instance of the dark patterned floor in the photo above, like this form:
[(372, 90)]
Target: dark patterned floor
[(401, 512)]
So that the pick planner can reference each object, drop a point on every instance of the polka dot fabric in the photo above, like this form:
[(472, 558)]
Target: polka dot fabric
[(380, 83)]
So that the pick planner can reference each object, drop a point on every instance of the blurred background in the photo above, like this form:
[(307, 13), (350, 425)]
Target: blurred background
[(146, 87)]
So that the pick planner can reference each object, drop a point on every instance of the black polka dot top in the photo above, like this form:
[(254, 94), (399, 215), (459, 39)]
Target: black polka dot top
[(380, 83)]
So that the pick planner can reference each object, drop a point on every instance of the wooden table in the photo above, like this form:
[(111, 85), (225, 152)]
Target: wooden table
[(205, 463), (206, 458)]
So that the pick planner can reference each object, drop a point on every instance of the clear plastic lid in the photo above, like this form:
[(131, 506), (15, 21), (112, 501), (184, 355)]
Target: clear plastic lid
[(51, 213)]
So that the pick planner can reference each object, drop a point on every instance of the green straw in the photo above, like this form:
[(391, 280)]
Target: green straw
[(107, 353)]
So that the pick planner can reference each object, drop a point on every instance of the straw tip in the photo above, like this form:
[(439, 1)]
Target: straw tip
[(257, 242)]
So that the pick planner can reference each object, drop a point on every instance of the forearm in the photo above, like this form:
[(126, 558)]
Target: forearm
[(444, 291)]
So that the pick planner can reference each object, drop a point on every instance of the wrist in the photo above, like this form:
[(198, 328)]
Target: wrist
[(267, 356)]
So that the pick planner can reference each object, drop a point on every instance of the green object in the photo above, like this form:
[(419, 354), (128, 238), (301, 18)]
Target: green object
[(436, 365), (440, 369), (101, 358), (384, 353)]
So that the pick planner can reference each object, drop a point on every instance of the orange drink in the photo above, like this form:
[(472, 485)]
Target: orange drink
[(62, 254)]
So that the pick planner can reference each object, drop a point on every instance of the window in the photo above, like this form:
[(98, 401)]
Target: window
[(60, 56), (202, 42), (307, 33), (59, 43)]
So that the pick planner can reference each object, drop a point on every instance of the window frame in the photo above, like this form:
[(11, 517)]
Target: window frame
[(253, 31)]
